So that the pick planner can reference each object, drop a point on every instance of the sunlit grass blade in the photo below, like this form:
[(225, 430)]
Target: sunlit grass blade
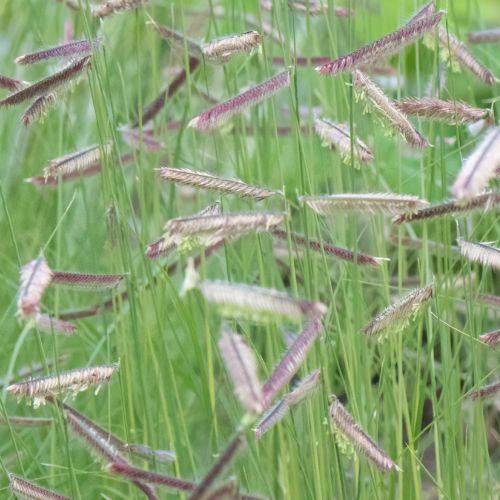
[(49, 84), (397, 316), (386, 110), (221, 113), (349, 434), (204, 180), (241, 365)]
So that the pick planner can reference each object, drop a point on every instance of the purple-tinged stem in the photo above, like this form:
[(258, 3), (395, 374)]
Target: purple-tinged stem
[(26, 421)]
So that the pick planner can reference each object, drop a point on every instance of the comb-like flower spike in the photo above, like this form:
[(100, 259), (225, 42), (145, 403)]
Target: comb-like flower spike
[(317, 7), (371, 203), (457, 50), (109, 7), (87, 281), (24, 489), (491, 338), (336, 136), (486, 255), (38, 109), (256, 303), (486, 36), (348, 432), (49, 84), (479, 167), (485, 391), (451, 208), (383, 47), (329, 249), (76, 162), (241, 365), (215, 471), (74, 381), (223, 49), (386, 109), (11, 84), (35, 277), (452, 112), (178, 39), (397, 315), (77, 48), (291, 361), (204, 180), (222, 112), (47, 324)]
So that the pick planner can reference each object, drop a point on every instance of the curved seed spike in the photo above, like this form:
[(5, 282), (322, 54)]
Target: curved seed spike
[(291, 361), (386, 109), (21, 487), (35, 277), (47, 324), (87, 281), (397, 315), (204, 180), (222, 112), (479, 167), (271, 418), (76, 48), (11, 84), (479, 252), (485, 391), (114, 6), (49, 84), (452, 208), (372, 203), (242, 367), (177, 39), (222, 50), (383, 47), (352, 432), (491, 338), (486, 36)]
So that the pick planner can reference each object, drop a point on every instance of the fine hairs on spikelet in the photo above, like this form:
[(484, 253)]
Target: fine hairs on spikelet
[(485, 392), (349, 433), (486, 255), (49, 84), (177, 39), (329, 249), (38, 109), (303, 389), (24, 489), (225, 458), (204, 180), (166, 243), (291, 361), (211, 228), (371, 203), (479, 167), (257, 303), (386, 110), (452, 208), (337, 136), (109, 7), (35, 277), (74, 381), (71, 49), (241, 365), (76, 162), (47, 324), (457, 50), (451, 112), (11, 84), (383, 47), (223, 49), (222, 112), (86, 281), (396, 316), (486, 36), (491, 338)]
